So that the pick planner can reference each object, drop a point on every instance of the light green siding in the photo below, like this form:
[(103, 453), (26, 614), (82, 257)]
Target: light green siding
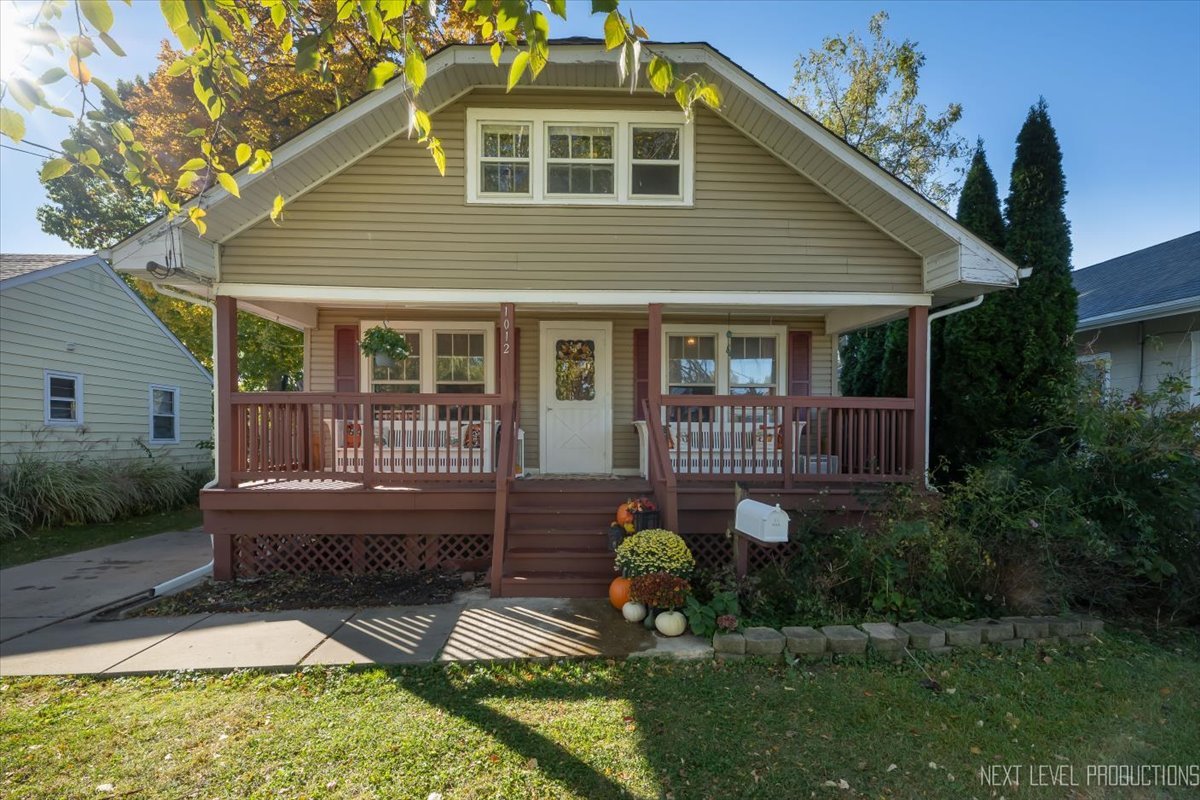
[(390, 220), (81, 321)]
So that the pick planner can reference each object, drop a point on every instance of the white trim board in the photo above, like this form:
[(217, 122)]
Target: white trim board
[(556, 297)]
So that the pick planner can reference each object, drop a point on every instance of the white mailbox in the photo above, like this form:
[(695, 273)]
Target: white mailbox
[(761, 521)]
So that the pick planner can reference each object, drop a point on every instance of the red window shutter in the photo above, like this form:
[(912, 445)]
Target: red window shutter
[(641, 371), (799, 363), (346, 358)]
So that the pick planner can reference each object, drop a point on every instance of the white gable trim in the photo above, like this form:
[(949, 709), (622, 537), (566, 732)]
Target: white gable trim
[(978, 261)]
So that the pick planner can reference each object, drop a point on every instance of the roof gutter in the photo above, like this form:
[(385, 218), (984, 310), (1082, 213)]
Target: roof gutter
[(945, 312), (1182, 306)]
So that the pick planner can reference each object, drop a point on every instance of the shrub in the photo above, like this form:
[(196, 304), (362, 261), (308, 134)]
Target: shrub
[(660, 590), (719, 613), (37, 492), (654, 550)]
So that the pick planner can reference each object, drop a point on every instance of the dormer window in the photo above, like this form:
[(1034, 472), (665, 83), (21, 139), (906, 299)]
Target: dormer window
[(566, 157)]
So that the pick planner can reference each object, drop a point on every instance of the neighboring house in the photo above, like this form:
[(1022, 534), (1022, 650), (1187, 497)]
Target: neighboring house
[(86, 369), (589, 261), (1139, 317)]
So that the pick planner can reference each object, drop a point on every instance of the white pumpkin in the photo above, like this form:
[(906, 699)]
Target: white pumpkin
[(633, 611), (670, 623)]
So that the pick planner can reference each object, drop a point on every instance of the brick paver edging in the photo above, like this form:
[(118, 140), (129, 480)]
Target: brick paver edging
[(889, 641)]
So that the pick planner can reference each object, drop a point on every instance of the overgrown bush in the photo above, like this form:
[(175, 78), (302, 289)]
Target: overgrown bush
[(1110, 518), (37, 491), (1100, 510)]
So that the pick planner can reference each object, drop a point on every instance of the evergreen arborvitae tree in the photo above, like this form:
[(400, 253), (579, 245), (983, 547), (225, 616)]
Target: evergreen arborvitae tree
[(1009, 364), (862, 362), (893, 371)]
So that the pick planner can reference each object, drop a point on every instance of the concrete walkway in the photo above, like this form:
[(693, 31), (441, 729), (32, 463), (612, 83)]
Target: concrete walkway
[(467, 630), (45, 592)]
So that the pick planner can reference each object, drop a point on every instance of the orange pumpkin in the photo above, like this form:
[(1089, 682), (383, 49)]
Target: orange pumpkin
[(618, 592), (624, 514)]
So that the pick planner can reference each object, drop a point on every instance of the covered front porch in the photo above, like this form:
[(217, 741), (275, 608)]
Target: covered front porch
[(737, 394)]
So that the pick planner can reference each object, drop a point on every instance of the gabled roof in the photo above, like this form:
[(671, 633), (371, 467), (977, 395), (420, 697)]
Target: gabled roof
[(19, 269), (1155, 282), (957, 263), (14, 264)]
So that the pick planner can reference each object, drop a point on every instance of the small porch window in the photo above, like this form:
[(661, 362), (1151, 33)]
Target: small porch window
[(444, 358), (737, 361)]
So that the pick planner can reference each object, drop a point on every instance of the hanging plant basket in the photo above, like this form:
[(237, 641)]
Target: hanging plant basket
[(385, 345)]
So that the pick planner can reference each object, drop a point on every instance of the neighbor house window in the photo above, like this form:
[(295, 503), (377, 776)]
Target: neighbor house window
[(570, 156), (443, 358), (164, 414), (1096, 370), (1195, 371), (504, 159), (403, 377), (63, 398)]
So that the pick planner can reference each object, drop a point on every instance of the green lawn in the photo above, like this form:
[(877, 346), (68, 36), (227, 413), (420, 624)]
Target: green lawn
[(73, 538), (607, 729)]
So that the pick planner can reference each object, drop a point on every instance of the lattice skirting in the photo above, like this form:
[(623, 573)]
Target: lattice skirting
[(714, 551), (354, 555)]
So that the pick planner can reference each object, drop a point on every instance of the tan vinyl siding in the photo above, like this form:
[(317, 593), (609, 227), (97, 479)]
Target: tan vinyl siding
[(117, 349), (390, 221), (625, 440)]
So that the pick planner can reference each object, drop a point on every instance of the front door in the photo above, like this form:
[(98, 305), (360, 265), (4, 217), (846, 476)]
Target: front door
[(576, 393)]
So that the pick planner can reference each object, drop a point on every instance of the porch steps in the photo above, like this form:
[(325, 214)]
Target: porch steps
[(557, 540)]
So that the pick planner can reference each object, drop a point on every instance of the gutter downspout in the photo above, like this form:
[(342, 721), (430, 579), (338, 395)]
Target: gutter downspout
[(180, 580), (945, 312)]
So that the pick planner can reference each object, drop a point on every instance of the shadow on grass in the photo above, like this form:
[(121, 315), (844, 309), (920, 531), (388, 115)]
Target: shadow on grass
[(553, 760)]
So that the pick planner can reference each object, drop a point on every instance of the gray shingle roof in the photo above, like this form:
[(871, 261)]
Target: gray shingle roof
[(14, 264), (1164, 273)]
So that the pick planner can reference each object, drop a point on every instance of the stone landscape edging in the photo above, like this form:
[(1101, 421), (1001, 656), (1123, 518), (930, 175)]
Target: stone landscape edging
[(890, 642)]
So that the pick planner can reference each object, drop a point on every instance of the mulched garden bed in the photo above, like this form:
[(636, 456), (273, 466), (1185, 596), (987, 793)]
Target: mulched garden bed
[(281, 592)]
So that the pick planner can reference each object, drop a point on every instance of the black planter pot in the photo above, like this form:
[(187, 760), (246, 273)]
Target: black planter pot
[(646, 520), (615, 537)]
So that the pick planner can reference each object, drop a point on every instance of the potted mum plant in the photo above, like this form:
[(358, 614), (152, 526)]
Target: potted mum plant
[(385, 345), (664, 594)]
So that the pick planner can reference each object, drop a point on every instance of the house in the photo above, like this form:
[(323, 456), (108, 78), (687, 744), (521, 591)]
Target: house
[(590, 262), (1139, 317), (86, 369)]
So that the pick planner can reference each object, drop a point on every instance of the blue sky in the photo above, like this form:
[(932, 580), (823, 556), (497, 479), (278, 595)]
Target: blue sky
[(1122, 81)]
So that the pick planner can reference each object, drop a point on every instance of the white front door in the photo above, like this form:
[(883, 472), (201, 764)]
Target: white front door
[(576, 392)]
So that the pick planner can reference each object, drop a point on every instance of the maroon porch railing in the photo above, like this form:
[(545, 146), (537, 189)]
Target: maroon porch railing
[(788, 439), (373, 438)]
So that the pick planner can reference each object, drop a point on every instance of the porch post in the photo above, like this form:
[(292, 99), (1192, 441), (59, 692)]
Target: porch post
[(654, 365), (508, 441), (225, 368), (918, 385), (225, 365)]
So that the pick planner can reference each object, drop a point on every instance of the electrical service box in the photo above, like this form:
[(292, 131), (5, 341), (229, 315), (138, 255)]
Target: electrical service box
[(761, 521)]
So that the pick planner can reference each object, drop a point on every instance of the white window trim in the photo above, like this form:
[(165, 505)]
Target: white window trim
[(428, 332), (164, 388), (1089, 358), (62, 423), (539, 121), (779, 332), (1195, 377)]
